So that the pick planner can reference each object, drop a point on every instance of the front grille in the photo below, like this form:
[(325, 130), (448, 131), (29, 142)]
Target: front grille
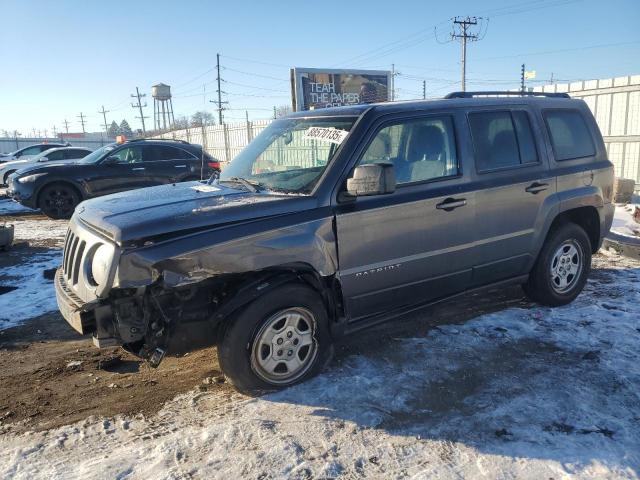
[(74, 249)]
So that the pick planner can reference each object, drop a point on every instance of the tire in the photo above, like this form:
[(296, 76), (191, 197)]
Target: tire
[(562, 267), (292, 319), (58, 201)]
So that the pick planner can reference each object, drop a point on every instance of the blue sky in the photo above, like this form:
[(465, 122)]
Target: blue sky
[(60, 58)]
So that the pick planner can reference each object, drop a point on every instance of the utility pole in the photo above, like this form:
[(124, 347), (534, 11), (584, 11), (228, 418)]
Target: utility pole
[(220, 103), (139, 107), (66, 125), (463, 33), (81, 117), (16, 134), (55, 131), (522, 78), (274, 112), (424, 89), (104, 117)]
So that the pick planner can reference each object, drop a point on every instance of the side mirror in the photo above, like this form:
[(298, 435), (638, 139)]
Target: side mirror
[(43, 159), (372, 179), (111, 160)]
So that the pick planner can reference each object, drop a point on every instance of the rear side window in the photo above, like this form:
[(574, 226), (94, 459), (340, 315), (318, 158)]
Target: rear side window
[(56, 155), (569, 134), (161, 152), (502, 139)]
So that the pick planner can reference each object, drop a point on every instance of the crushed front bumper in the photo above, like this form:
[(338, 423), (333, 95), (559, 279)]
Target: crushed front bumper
[(85, 318)]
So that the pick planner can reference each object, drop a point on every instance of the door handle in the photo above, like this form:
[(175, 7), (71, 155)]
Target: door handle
[(451, 203), (137, 169), (180, 166), (536, 187)]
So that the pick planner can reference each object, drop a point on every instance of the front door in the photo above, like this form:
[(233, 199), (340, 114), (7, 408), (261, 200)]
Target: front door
[(513, 183), (125, 174), (413, 245)]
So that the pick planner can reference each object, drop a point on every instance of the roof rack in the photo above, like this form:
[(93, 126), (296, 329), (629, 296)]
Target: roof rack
[(492, 93), (158, 140)]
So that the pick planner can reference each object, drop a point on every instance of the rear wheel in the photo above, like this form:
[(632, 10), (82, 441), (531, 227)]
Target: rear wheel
[(562, 267), (280, 339), (58, 201)]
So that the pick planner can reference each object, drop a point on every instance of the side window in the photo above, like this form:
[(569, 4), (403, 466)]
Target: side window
[(76, 153), (155, 153), (419, 149), (57, 155), (128, 154), (32, 150), (569, 134), (502, 139)]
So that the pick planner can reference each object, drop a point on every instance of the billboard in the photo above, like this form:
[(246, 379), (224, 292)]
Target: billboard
[(313, 88)]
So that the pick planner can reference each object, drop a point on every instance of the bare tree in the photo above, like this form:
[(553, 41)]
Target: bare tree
[(202, 118)]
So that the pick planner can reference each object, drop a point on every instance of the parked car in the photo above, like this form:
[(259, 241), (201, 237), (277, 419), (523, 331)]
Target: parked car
[(54, 154), (30, 151), (333, 220), (57, 189)]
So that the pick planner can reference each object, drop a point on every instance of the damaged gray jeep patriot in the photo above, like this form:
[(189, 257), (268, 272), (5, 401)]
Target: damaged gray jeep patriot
[(333, 220)]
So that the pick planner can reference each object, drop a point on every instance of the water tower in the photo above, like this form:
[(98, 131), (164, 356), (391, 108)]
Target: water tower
[(162, 106)]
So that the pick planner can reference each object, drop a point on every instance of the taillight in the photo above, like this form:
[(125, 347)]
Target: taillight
[(214, 165)]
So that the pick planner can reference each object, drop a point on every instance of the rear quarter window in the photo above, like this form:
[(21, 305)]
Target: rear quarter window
[(570, 136)]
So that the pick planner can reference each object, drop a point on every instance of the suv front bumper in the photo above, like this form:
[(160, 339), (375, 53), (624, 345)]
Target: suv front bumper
[(85, 318)]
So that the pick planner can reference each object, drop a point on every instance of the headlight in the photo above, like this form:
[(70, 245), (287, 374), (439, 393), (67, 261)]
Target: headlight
[(29, 178), (100, 265)]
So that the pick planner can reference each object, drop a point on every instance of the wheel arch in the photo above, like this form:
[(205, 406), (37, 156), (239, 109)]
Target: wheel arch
[(67, 183), (587, 217)]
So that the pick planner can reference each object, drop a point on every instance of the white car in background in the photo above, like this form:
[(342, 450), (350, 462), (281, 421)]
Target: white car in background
[(53, 154)]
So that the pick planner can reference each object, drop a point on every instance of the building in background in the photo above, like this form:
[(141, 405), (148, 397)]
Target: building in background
[(615, 102)]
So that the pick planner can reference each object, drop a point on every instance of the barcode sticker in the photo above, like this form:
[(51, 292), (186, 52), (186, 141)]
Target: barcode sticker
[(324, 134)]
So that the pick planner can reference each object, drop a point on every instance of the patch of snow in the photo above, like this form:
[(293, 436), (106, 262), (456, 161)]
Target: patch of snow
[(34, 295), (39, 232), (623, 221), (8, 206), (520, 393)]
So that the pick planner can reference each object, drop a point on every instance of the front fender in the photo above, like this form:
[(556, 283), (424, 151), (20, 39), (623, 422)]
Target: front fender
[(236, 249)]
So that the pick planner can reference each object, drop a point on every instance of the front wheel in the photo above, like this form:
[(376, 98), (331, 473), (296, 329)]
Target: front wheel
[(562, 267), (58, 201), (280, 339)]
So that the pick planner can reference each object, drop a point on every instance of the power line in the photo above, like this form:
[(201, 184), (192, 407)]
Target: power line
[(139, 107)]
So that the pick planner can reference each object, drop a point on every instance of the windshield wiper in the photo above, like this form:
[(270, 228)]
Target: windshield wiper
[(251, 186)]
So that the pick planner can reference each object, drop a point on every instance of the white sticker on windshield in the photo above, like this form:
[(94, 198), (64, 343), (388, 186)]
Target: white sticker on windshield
[(206, 188), (324, 134)]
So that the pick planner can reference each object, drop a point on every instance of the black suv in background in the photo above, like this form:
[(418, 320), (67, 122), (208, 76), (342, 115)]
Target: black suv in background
[(56, 189), (30, 151)]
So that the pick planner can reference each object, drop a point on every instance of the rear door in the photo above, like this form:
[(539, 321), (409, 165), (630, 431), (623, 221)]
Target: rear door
[(166, 164), (416, 244), (513, 185)]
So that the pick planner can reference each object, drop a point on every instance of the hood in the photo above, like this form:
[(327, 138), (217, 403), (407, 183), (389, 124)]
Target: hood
[(14, 162), (154, 211), (43, 167)]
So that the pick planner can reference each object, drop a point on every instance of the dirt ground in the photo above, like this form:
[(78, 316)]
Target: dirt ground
[(50, 376)]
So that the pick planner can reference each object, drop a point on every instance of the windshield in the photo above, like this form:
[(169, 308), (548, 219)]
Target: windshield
[(290, 154), (96, 155)]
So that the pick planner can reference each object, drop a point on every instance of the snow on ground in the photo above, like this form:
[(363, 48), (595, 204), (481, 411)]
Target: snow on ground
[(623, 222), (521, 393), (34, 295), (39, 232), (8, 206)]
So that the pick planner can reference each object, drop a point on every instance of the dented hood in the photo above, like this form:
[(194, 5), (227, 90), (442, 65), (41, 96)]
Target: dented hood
[(189, 206)]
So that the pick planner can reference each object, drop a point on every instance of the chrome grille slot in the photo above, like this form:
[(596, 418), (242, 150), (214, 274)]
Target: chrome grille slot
[(65, 256), (77, 262), (72, 251)]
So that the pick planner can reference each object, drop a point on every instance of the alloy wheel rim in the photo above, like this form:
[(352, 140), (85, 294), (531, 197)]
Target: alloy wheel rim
[(285, 347), (566, 266), (59, 201)]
